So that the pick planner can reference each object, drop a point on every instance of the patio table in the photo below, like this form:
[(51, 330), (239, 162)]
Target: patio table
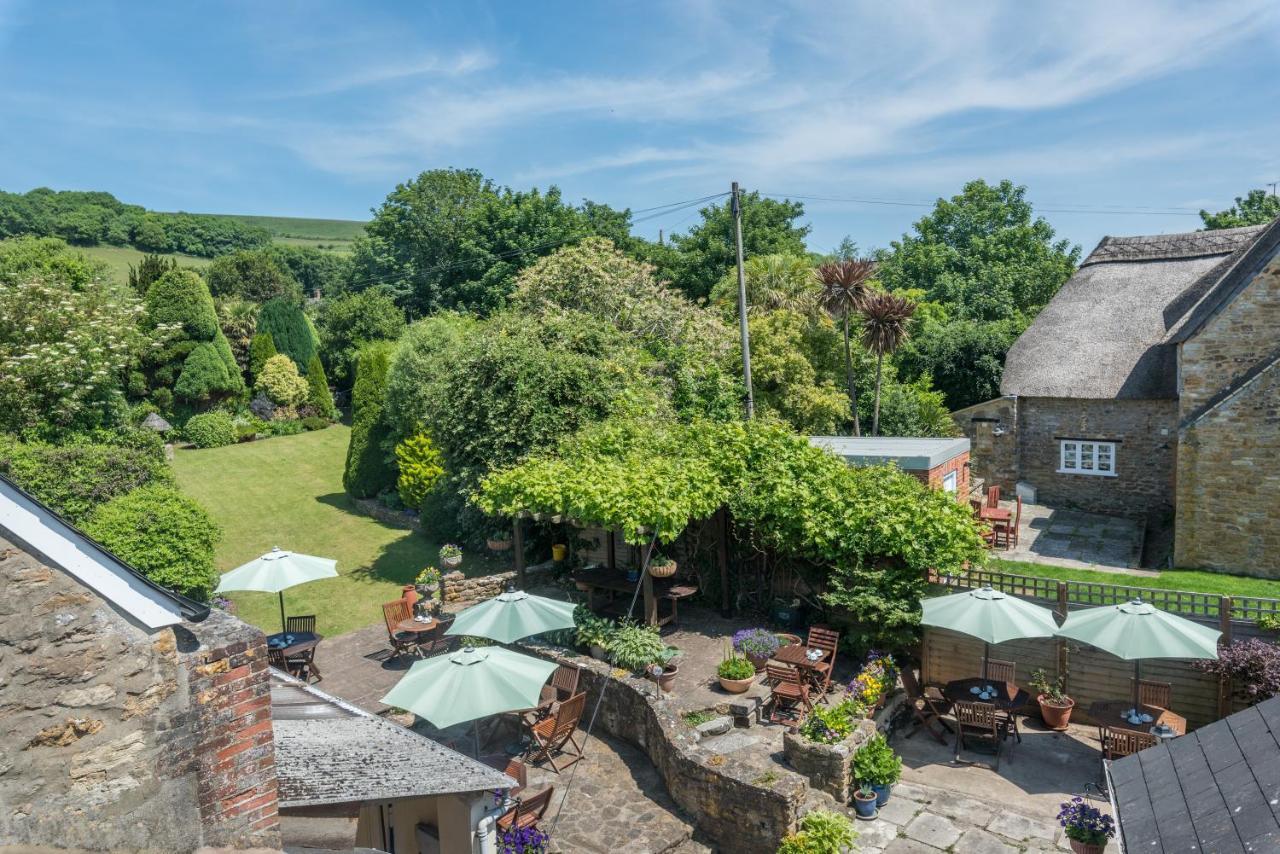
[(995, 514), (794, 654), (1009, 697), (292, 643), (1110, 713), (417, 626)]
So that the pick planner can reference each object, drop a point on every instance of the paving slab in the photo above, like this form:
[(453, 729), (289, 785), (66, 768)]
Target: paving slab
[(875, 834), (963, 809), (1021, 828), (900, 810), (933, 830), (910, 846), (975, 841)]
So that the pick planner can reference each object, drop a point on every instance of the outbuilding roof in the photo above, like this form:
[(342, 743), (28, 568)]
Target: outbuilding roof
[(1215, 789), (330, 752), (1111, 331), (907, 454)]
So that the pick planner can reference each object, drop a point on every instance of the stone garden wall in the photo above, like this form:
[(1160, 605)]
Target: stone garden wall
[(455, 587), (827, 766), (716, 791)]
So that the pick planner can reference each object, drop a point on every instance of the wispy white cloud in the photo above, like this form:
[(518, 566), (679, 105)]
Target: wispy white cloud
[(380, 72)]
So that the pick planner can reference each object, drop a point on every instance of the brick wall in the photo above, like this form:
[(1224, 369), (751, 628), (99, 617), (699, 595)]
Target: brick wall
[(1146, 431), (1229, 484), (993, 458), (960, 465)]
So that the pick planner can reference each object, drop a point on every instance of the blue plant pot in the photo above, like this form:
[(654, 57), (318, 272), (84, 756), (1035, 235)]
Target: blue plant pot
[(865, 809), (633, 575), (882, 794)]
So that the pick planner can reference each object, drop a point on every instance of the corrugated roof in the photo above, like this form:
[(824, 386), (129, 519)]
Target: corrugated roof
[(907, 453), (331, 752), (1108, 333), (1215, 789)]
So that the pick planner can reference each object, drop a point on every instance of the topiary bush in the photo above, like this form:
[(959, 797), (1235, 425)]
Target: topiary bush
[(367, 471), (74, 479), (163, 534), (290, 329), (211, 430), (280, 382), (209, 372), (315, 422), (261, 348), (421, 467), (319, 397)]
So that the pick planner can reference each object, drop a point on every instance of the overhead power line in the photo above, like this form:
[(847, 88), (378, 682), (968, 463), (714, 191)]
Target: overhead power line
[(1064, 208)]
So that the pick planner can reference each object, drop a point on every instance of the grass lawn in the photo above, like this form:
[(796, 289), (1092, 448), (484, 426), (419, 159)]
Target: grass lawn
[(120, 258), (287, 491), (1191, 580)]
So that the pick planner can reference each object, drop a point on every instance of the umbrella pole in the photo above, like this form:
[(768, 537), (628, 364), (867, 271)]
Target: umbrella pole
[(477, 728), (1137, 663), (986, 656), (281, 595)]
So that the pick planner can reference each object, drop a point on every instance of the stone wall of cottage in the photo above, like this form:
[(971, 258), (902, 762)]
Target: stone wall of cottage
[(1229, 484), (1146, 433), (992, 429), (113, 737), (1243, 335)]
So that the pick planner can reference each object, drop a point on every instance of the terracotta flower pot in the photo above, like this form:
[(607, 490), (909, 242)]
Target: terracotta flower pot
[(736, 686), (1055, 717), (410, 595), (667, 680), (1087, 847), (757, 660)]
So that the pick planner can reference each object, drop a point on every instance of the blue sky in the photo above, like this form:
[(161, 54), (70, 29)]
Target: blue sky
[(317, 109)]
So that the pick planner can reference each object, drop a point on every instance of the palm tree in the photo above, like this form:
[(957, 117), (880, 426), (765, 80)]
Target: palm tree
[(844, 287), (884, 329)]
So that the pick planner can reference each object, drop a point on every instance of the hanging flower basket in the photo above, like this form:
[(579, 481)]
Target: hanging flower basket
[(662, 567), (498, 545)]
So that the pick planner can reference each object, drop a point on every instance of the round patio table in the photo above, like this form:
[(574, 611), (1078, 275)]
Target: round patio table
[(417, 626), (1009, 697), (1110, 714), (292, 643)]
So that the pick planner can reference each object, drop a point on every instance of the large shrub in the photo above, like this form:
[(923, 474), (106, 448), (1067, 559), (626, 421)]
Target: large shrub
[(1253, 665), (251, 275), (74, 479), (290, 329), (195, 363), (419, 463), (211, 430), (367, 471), (319, 397), (163, 534), (261, 348), (209, 372), (181, 299), (348, 322), (279, 381)]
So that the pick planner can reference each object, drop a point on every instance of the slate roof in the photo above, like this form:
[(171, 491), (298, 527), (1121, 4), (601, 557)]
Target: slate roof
[(330, 752), (1111, 331), (1216, 789), (908, 454)]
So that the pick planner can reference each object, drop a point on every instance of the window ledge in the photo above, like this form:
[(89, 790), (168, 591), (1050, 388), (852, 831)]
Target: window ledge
[(1088, 473)]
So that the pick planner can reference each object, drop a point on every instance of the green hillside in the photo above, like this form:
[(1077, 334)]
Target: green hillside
[(119, 258), (333, 234)]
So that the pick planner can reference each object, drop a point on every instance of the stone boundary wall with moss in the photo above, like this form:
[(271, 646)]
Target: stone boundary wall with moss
[(827, 766)]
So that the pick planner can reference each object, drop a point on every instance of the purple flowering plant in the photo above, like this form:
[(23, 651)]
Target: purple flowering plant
[(524, 840), (1085, 823), (1253, 666), (757, 642)]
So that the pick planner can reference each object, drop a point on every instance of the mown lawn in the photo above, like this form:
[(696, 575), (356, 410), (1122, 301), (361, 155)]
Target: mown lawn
[(120, 258), (1191, 580), (287, 491)]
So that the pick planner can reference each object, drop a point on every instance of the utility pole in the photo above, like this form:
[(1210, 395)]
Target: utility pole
[(742, 305), (1272, 185)]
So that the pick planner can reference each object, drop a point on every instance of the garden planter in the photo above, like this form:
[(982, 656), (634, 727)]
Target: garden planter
[(882, 794), (663, 570), (736, 686), (633, 575), (451, 562), (559, 552), (599, 653), (1055, 717), (667, 680), (1087, 847), (757, 660), (786, 639), (498, 545), (410, 595), (864, 804)]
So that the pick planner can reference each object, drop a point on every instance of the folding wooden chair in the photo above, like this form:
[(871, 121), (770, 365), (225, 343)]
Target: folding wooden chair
[(827, 639), (562, 685), (519, 772), (927, 705), (983, 721), (999, 670), (1005, 532), (298, 625), (555, 734), (394, 613), (527, 812), (1122, 742), (1153, 693), (788, 694)]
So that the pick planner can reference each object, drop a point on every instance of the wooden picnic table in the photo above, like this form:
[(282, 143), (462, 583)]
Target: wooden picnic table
[(293, 643), (1110, 714), (616, 581), (1009, 697)]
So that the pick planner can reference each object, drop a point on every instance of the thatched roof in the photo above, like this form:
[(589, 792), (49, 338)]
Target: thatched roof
[(1110, 331)]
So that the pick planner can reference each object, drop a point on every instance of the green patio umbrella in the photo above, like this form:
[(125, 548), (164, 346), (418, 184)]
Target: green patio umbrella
[(470, 684), (989, 615), (277, 571), (1136, 630), (513, 615)]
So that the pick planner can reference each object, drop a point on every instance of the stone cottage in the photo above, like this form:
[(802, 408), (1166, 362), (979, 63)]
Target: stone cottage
[(1148, 387), (130, 718)]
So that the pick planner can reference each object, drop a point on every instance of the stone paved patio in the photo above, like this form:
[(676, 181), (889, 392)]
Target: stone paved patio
[(1078, 540)]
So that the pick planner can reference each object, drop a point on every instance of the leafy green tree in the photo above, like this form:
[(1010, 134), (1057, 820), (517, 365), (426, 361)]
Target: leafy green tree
[(195, 361), (350, 321), (149, 269), (885, 323), (1256, 208), (24, 259), (238, 320), (261, 348), (319, 397), (982, 254), (251, 275), (316, 270), (965, 358), (773, 282), (785, 380), (75, 478), (150, 234), (768, 227), (163, 534), (290, 329), (367, 471)]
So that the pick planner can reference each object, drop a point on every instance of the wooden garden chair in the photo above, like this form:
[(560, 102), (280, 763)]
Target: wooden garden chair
[(928, 705), (562, 685), (788, 694), (554, 735), (1005, 533), (1122, 742), (519, 772), (527, 812), (394, 613), (982, 721), (299, 625), (999, 670), (1151, 693), (827, 639), (300, 665), (993, 496)]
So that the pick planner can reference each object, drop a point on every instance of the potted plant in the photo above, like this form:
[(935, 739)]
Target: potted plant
[(451, 555), (1055, 705), (661, 566), (864, 803), (735, 673), (499, 541), (877, 767), (1087, 827), (559, 551), (428, 582), (594, 633), (758, 645), (634, 647), (667, 679)]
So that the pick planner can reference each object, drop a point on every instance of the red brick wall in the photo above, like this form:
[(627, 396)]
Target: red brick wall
[(233, 752), (960, 465)]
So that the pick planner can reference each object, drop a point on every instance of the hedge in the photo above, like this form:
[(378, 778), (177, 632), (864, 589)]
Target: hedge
[(367, 471), (75, 479), (289, 328), (211, 430)]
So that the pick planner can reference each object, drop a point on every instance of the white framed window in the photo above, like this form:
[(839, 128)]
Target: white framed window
[(1081, 456), (949, 482)]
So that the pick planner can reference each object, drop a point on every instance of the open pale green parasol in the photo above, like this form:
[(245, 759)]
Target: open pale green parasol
[(989, 615), (277, 571), (513, 615), (470, 684), (1136, 630)]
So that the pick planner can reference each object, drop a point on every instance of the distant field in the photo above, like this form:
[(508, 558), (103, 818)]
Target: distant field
[(119, 258), (301, 231)]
